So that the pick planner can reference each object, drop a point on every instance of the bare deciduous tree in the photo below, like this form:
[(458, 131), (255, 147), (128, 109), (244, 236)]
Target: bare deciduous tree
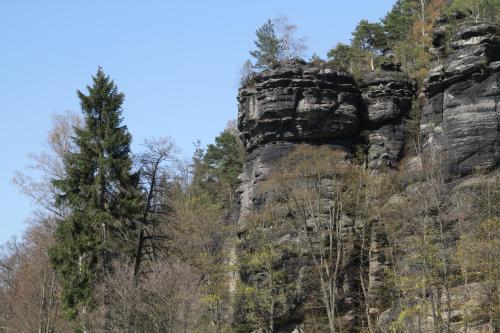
[(50, 163), (324, 193), (291, 46), (156, 167), (29, 292), (163, 300)]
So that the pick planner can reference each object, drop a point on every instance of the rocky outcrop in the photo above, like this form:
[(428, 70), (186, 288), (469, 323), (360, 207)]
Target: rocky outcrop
[(462, 115), (298, 102), (460, 131), (301, 103), (467, 304), (257, 167), (295, 102), (387, 96)]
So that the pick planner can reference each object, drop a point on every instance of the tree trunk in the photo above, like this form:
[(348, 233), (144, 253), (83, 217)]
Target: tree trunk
[(141, 237), (422, 16)]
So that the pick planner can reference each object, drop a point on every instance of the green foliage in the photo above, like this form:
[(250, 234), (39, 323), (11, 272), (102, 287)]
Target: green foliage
[(368, 43), (224, 162), (76, 236), (479, 250), (201, 239), (484, 10), (440, 246), (353, 59), (101, 193), (307, 197), (405, 31), (340, 56), (225, 157), (264, 297), (276, 42), (268, 46), (398, 22), (414, 59), (369, 36)]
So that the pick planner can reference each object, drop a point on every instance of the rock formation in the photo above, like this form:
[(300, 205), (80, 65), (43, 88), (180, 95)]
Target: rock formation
[(303, 103), (300, 103), (461, 122), (462, 113), (387, 97)]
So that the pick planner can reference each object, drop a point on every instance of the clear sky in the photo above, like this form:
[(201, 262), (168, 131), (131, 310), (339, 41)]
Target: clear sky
[(177, 61)]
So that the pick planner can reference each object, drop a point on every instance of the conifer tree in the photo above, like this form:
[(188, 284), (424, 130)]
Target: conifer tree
[(269, 46), (276, 42), (101, 192), (224, 160), (369, 36)]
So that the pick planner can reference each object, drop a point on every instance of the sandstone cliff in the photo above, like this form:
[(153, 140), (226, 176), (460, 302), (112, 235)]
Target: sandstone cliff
[(462, 115), (301, 103)]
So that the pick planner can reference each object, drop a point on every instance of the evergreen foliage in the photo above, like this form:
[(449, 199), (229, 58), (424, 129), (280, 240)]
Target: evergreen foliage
[(485, 10), (101, 192), (403, 36), (397, 23), (340, 56), (310, 212), (275, 42), (369, 36), (225, 158), (268, 46)]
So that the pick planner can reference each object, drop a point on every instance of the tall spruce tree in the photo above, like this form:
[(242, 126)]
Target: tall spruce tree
[(101, 194)]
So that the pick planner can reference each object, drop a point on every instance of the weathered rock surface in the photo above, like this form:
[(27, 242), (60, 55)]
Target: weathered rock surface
[(462, 115), (461, 122), (298, 102), (257, 167), (387, 96)]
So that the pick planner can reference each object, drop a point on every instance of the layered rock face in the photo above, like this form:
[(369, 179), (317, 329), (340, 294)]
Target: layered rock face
[(300, 103), (462, 114), (293, 103), (387, 97), (460, 131)]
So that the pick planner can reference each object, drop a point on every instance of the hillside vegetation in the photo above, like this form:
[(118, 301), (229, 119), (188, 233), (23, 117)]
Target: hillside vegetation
[(143, 241)]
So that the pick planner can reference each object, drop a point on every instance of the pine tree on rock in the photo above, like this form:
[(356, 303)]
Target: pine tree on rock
[(101, 193), (269, 46)]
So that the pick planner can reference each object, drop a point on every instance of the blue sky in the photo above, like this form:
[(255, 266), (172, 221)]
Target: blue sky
[(177, 62)]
